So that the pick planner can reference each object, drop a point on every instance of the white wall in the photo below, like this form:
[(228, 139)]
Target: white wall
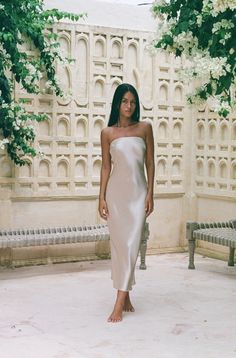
[(194, 151)]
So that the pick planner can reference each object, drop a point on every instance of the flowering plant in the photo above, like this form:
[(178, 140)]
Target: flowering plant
[(25, 21), (204, 31)]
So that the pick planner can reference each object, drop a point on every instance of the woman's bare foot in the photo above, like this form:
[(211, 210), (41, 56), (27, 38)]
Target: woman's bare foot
[(128, 307), (116, 315)]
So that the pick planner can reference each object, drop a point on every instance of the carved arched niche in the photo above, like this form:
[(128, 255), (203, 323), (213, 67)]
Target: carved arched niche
[(98, 126), (224, 132), (44, 168), (132, 55), (99, 88), (233, 170), (26, 170), (162, 130), (80, 168), (81, 127), (65, 45), (44, 128), (114, 86), (97, 167), (164, 92), (178, 94), (211, 169), (200, 131), (223, 170), (6, 170), (176, 167), (212, 131), (82, 67), (62, 169), (116, 49), (234, 131), (177, 130), (100, 48), (63, 127), (200, 168), (161, 167)]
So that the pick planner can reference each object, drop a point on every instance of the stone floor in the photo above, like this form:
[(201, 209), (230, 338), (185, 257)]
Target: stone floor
[(60, 311)]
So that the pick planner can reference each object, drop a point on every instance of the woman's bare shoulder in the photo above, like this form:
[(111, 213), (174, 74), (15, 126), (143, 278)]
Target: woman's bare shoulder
[(145, 126)]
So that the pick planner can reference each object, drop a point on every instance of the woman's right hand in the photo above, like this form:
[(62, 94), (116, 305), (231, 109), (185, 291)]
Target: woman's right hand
[(103, 210)]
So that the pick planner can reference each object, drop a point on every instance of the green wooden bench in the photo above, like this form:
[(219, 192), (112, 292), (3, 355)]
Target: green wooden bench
[(220, 233)]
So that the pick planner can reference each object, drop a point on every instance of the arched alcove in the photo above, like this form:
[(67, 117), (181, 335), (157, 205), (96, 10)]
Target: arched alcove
[(178, 94), (62, 169), (116, 49), (99, 48), (161, 167), (64, 45), (163, 93), (6, 168), (212, 131), (200, 168), (82, 68), (234, 132), (211, 169), (26, 170), (233, 171), (223, 170), (99, 88), (176, 167), (132, 55), (62, 128), (224, 132), (80, 168), (44, 128), (97, 167), (177, 129), (162, 130), (98, 126), (81, 128), (44, 168), (114, 85), (200, 131)]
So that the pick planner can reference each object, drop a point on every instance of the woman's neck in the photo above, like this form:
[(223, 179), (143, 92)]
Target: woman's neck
[(124, 122)]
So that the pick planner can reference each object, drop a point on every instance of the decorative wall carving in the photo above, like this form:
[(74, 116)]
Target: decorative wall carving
[(70, 140)]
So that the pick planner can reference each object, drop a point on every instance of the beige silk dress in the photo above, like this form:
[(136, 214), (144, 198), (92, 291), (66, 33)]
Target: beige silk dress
[(125, 196)]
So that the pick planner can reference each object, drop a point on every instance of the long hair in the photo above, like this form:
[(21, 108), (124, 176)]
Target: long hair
[(116, 102)]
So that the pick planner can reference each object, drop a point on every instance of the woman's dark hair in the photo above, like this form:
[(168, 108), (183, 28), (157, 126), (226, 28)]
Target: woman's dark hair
[(116, 102)]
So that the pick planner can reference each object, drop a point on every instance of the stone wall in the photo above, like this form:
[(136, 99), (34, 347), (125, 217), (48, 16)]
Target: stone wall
[(194, 151)]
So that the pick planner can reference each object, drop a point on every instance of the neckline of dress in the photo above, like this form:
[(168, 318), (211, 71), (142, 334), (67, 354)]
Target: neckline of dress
[(128, 137)]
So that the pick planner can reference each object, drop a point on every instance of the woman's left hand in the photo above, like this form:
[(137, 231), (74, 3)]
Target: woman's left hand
[(149, 205)]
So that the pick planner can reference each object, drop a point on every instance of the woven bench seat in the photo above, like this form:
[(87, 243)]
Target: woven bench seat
[(10, 239), (220, 233)]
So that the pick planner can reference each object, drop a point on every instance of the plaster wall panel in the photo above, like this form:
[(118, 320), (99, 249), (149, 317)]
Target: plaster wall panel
[(195, 151)]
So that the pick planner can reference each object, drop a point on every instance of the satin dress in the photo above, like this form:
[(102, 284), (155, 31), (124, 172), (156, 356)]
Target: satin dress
[(125, 196)]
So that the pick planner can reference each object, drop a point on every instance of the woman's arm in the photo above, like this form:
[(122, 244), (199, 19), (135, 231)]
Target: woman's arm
[(105, 173), (150, 167)]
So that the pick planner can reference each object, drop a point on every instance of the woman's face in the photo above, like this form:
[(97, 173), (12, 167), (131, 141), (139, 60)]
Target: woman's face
[(128, 105)]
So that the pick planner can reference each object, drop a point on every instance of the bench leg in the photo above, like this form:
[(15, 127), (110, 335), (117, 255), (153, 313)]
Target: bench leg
[(191, 249), (143, 250), (231, 256)]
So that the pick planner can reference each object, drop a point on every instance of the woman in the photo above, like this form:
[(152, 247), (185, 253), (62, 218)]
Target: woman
[(125, 199)]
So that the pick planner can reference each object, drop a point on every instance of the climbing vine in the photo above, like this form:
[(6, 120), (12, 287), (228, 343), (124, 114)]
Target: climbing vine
[(26, 21), (204, 32)]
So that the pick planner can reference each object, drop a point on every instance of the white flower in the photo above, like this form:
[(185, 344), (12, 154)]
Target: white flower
[(216, 6), (2, 7), (3, 143)]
